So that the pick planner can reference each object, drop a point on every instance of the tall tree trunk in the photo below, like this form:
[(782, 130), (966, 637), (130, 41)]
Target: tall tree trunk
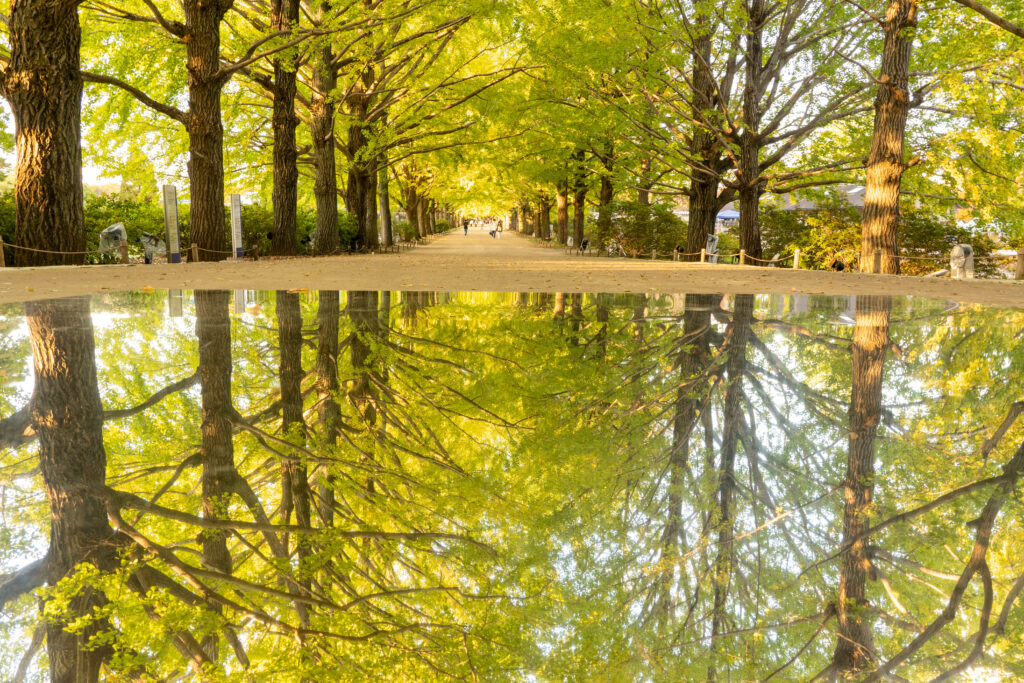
[(361, 190), (213, 330), (421, 216), (562, 202), (579, 196), (326, 370), (284, 16), (643, 192), (725, 515), (854, 644), (704, 178), (604, 211), (513, 221), (750, 138), (205, 126), (43, 84), (385, 205), (544, 217), (67, 415), (528, 222), (880, 223), (325, 178)]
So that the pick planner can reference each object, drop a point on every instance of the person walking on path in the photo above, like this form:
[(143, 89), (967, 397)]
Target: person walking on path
[(465, 226)]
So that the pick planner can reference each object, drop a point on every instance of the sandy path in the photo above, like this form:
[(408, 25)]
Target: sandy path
[(479, 263)]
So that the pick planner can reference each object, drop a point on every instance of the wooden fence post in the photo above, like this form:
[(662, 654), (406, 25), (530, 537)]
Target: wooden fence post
[(703, 255), (195, 253), (743, 257), (124, 252), (1019, 275), (654, 254), (796, 259), (3, 263), (876, 262)]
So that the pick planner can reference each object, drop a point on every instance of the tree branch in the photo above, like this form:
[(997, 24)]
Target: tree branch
[(26, 579), (165, 109)]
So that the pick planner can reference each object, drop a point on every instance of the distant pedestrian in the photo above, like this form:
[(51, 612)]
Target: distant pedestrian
[(465, 226)]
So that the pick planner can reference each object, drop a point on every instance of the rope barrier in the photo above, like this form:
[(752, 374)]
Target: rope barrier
[(780, 259), (48, 251), (923, 258)]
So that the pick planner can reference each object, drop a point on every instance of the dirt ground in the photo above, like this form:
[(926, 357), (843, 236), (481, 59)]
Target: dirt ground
[(478, 262)]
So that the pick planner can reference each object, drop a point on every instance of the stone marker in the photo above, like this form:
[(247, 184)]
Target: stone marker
[(171, 224), (961, 262)]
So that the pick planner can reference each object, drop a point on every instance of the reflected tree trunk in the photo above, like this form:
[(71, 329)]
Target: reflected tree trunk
[(854, 644), (326, 371), (295, 495), (576, 316), (725, 515), (67, 415), (213, 330), (692, 356)]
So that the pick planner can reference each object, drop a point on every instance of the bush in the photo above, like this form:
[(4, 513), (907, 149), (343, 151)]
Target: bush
[(834, 233), (442, 227), (404, 230), (348, 231), (638, 228)]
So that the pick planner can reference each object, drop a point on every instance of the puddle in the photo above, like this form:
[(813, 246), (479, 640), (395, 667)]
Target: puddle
[(500, 486)]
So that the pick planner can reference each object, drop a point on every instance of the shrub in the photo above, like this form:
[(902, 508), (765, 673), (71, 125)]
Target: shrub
[(638, 228), (442, 227), (405, 230), (834, 233)]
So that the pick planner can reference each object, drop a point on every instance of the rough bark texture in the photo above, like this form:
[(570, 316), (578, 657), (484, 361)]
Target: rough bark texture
[(213, 330), (854, 644), (562, 203), (205, 126), (43, 85), (725, 516), (361, 189), (750, 139), (704, 179), (284, 16), (68, 417), (880, 226), (321, 126)]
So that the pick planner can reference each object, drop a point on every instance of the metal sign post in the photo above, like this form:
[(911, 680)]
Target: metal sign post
[(236, 225), (171, 224)]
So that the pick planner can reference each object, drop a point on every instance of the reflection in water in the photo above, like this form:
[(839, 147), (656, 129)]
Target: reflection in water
[(417, 486)]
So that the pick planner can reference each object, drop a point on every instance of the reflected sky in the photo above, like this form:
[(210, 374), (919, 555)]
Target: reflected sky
[(311, 485)]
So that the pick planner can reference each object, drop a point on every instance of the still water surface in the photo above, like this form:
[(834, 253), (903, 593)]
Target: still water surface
[(431, 486)]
